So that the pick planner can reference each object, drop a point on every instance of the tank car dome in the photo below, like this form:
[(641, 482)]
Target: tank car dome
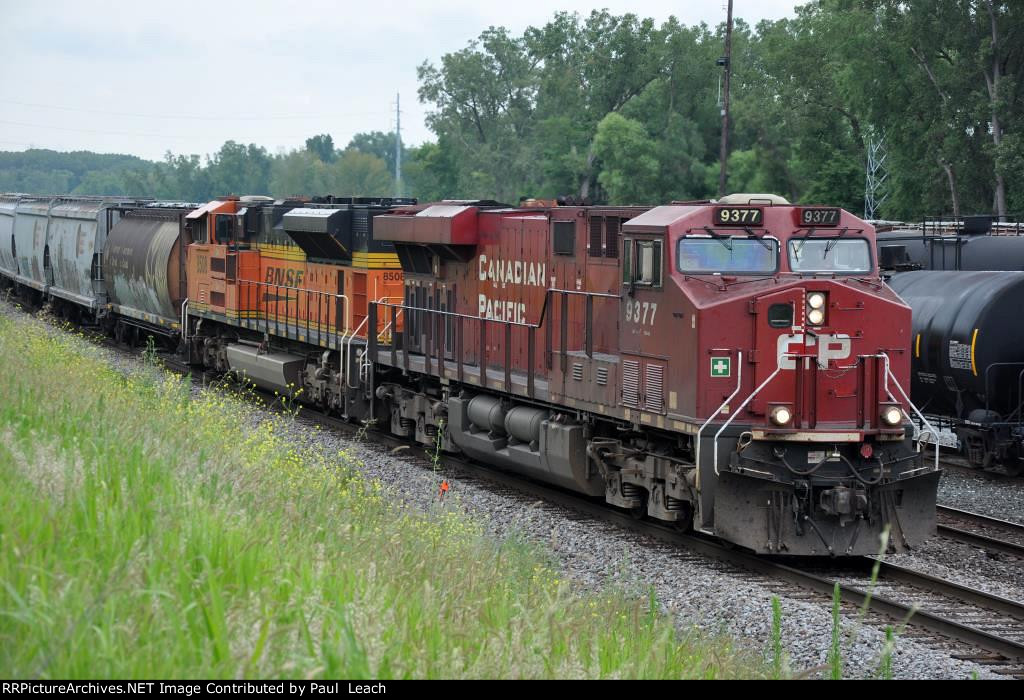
[(751, 198)]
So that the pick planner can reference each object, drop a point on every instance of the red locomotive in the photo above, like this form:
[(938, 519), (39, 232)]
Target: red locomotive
[(738, 367)]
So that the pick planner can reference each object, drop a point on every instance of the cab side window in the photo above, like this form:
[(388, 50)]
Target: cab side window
[(642, 263)]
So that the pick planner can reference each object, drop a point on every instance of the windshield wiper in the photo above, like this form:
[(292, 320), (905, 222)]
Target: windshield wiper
[(720, 237), (832, 243), (759, 239)]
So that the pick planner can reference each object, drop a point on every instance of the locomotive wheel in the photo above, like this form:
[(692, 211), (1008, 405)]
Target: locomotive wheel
[(685, 521), (639, 511)]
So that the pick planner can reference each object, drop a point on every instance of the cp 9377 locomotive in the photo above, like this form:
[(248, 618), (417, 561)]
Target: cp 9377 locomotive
[(738, 367)]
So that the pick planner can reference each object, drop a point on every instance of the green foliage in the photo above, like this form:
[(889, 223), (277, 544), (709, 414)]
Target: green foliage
[(938, 79), (835, 651), (322, 147), (628, 154), (777, 653), (620, 109)]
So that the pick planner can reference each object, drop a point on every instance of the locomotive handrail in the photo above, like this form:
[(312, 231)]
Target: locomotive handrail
[(320, 294), (440, 345), (346, 344), (739, 384), (732, 416), (924, 421), (888, 374), (543, 310)]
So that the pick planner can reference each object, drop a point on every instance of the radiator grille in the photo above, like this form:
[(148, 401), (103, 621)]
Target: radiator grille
[(631, 383), (654, 388)]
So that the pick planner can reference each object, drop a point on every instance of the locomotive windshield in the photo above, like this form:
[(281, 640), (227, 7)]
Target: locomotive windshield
[(735, 256), (829, 255)]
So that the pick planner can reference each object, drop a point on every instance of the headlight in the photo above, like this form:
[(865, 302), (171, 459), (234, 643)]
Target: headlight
[(892, 415), (816, 300), (816, 317), (781, 415)]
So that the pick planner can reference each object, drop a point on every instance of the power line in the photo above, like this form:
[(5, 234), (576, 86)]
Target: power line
[(89, 131), (103, 132), (199, 117)]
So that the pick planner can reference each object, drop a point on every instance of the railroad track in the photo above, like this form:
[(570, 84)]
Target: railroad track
[(957, 463), (968, 623), (981, 531)]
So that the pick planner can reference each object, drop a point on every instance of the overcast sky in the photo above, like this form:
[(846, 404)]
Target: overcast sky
[(152, 76)]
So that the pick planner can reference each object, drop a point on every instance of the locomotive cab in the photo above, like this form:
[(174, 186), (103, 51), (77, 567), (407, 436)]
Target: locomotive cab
[(790, 363)]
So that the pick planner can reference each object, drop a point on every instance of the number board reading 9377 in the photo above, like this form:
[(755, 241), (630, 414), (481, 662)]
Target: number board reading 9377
[(739, 216), (819, 216)]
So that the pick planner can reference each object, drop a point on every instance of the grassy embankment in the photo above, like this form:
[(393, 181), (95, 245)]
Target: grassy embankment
[(147, 534)]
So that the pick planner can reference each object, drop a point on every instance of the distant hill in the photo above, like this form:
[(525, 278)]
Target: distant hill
[(43, 171)]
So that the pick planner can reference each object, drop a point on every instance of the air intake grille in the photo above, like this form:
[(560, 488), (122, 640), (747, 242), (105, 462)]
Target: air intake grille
[(596, 235), (577, 371), (631, 383), (655, 388), (602, 376), (611, 238)]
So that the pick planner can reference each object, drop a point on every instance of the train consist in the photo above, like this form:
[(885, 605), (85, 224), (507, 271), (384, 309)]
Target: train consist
[(964, 281), (737, 367)]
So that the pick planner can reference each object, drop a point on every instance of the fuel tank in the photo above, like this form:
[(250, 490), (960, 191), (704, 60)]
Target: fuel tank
[(143, 262), (968, 341)]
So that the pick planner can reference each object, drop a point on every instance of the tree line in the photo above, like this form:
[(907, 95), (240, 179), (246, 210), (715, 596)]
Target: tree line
[(622, 109)]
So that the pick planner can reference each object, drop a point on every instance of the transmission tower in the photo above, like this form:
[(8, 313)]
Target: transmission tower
[(875, 193)]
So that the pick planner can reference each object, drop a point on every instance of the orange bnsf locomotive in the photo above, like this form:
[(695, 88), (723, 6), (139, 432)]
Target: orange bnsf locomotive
[(738, 367)]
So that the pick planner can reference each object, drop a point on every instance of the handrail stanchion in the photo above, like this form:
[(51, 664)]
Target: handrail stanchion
[(459, 369), (394, 336), (739, 385), (531, 350), (483, 352), (564, 337), (508, 358)]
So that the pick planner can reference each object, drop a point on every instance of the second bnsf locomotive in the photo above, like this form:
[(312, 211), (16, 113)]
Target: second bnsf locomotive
[(737, 367)]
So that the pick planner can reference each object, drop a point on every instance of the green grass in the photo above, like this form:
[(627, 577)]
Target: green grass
[(147, 534)]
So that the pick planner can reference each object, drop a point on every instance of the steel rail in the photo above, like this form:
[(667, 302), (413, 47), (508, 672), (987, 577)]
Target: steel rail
[(978, 539)]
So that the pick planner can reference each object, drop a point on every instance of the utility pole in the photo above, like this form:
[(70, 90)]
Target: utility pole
[(398, 145), (725, 62)]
